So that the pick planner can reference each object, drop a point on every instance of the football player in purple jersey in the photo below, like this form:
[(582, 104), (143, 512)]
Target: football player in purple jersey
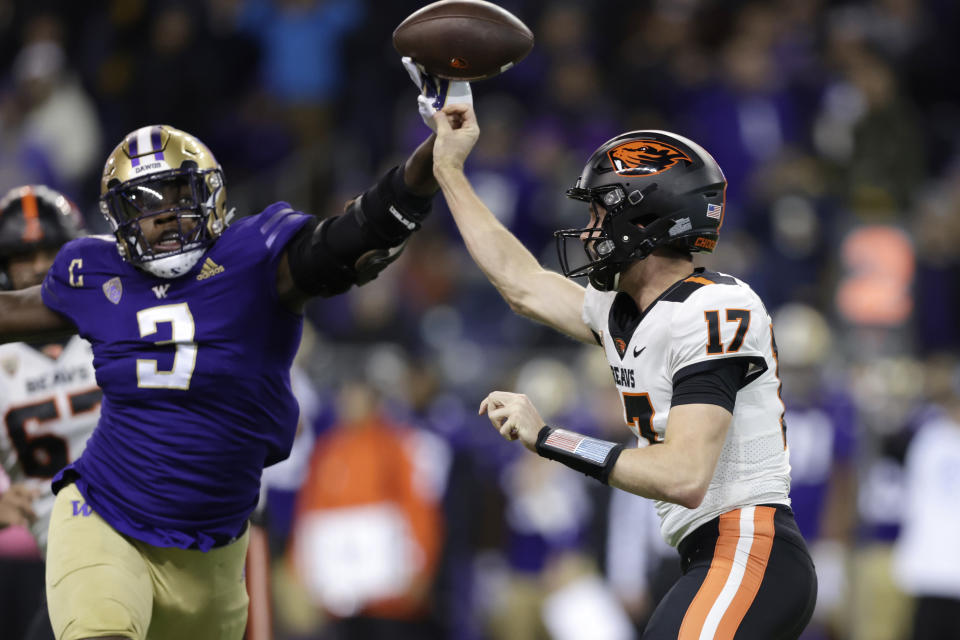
[(194, 324)]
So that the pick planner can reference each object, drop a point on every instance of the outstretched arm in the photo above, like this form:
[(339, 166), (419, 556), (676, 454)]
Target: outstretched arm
[(530, 290), (24, 316), (328, 257)]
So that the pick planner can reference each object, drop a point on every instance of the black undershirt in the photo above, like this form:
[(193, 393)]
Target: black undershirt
[(715, 383)]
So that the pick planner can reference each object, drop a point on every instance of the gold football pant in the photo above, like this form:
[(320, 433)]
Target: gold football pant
[(102, 583)]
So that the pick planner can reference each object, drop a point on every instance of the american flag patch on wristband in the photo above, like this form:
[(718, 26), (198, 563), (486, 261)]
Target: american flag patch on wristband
[(589, 449)]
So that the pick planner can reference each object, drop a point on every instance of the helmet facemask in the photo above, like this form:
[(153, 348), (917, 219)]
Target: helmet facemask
[(614, 239), (163, 193), (187, 195)]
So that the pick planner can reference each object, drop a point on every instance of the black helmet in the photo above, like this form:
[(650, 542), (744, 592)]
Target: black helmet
[(35, 217), (658, 189)]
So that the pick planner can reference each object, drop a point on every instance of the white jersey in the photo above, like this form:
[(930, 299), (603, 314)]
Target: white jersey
[(49, 407), (699, 320)]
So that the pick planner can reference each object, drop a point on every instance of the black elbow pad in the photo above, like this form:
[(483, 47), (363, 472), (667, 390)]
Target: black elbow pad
[(315, 269), (328, 257), (388, 212)]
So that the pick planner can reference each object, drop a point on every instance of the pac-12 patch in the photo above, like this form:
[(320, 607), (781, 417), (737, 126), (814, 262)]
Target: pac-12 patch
[(113, 289)]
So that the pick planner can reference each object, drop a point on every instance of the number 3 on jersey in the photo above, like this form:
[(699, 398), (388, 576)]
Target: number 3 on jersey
[(149, 375)]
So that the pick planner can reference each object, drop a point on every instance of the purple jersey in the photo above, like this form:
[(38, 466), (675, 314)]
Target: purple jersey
[(195, 373)]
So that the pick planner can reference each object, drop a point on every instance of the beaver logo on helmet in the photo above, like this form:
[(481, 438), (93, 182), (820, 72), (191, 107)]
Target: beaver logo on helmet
[(644, 157)]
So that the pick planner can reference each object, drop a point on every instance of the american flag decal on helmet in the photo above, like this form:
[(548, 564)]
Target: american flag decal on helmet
[(714, 211), (147, 138), (587, 448)]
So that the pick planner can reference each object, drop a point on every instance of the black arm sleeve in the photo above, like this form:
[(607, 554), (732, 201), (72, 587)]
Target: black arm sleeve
[(328, 257), (716, 382), (381, 218)]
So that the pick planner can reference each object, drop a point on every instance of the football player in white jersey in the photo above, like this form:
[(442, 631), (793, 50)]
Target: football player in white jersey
[(49, 399), (693, 355)]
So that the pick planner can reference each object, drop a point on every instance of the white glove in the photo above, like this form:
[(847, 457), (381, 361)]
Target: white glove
[(436, 93)]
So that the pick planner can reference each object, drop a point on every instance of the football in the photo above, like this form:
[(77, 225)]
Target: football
[(463, 39)]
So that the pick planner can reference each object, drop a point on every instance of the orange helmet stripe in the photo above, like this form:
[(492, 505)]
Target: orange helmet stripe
[(32, 231)]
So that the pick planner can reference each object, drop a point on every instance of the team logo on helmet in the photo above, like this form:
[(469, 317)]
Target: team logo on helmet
[(644, 157), (145, 148)]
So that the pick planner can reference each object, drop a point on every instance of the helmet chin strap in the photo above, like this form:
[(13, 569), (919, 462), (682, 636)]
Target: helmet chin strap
[(648, 238), (605, 278), (625, 243)]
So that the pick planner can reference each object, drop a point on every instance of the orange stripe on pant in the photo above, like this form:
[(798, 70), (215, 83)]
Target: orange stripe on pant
[(726, 593)]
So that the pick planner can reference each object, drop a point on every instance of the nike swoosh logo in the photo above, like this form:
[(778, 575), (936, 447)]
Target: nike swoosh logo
[(637, 352)]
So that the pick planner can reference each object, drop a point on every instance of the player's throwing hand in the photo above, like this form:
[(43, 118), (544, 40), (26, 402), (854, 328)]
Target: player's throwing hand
[(457, 132), (514, 416)]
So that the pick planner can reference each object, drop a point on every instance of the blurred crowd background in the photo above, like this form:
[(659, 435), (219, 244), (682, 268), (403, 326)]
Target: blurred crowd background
[(401, 513)]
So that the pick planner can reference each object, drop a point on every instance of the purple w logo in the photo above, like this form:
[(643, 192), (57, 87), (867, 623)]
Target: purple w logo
[(81, 508)]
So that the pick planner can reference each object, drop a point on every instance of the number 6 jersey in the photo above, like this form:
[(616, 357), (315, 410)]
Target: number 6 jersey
[(49, 405), (698, 321), (195, 373)]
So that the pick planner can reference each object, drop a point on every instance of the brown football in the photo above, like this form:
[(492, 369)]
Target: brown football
[(463, 39)]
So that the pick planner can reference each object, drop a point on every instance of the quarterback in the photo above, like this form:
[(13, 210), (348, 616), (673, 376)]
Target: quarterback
[(693, 357), (194, 323)]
